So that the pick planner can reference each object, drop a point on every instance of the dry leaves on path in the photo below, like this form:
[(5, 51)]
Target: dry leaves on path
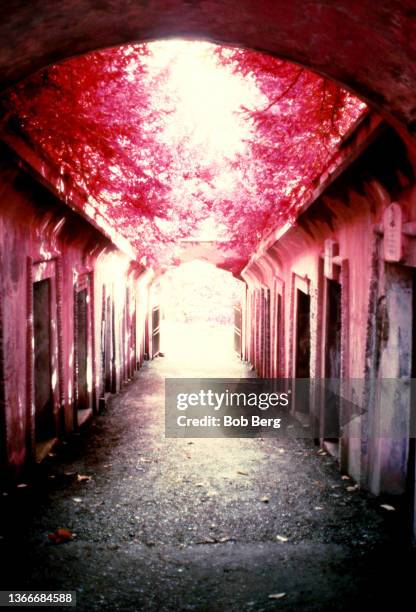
[(61, 535), (387, 507)]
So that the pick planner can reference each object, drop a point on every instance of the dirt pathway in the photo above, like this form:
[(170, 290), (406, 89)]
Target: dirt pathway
[(216, 524)]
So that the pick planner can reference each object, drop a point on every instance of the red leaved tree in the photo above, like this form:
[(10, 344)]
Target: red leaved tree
[(101, 119)]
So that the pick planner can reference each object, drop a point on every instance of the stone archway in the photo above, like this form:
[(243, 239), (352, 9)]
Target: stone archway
[(365, 45)]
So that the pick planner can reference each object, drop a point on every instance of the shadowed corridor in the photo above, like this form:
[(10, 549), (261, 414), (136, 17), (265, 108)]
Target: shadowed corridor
[(123, 162)]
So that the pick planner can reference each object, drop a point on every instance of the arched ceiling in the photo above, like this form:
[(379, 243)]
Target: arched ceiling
[(367, 45)]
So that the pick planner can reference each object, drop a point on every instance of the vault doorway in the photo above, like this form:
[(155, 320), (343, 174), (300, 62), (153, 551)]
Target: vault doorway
[(45, 425), (411, 464), (332, 352), (302, 352), (82, 343)]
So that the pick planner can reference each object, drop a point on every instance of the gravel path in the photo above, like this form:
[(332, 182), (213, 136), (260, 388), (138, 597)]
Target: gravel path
[(219, 524)]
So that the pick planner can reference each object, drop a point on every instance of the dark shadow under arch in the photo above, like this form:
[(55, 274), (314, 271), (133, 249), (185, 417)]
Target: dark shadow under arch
[(362, 44)]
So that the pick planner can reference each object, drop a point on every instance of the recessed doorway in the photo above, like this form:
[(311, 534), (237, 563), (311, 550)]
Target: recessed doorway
[(45, 425)]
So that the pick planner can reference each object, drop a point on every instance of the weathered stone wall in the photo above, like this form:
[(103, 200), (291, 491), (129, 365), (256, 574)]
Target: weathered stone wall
[(363, 44), (341, 236), (41, 238)]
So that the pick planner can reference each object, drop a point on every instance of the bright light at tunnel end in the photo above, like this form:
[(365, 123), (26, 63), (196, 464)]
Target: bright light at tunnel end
[(209, 96)]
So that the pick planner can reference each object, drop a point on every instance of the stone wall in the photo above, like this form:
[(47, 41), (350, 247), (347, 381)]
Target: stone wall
[(342, 236), (43, 240)]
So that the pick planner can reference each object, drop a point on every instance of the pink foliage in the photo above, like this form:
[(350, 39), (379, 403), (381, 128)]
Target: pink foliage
[(99, 118)]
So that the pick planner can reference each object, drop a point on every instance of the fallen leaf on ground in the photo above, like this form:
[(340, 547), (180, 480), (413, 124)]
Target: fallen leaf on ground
[(242, 473), (318, 508), (387, 507), (61, 535), (83, 478), (225, 539), (282, 538), (77, 500), (277, 595), (222, 540), (207, 541), (353, 488), (265, 499)]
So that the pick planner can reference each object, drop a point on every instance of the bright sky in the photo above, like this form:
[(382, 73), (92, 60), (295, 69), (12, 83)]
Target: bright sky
[(208, 97)]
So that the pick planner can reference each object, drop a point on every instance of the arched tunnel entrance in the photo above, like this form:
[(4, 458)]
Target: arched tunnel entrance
[(315, 232), (198, 304)]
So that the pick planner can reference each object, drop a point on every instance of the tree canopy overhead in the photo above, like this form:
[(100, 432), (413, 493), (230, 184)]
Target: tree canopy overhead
[(185, 140)]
